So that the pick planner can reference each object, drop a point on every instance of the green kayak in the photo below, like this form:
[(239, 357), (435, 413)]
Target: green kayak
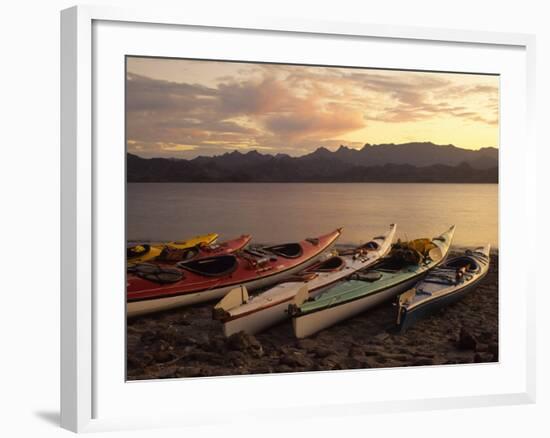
[(407, 264)]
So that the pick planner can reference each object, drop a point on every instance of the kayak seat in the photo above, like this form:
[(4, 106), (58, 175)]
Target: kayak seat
[(331, 264), (218, 266), (137, 251), (287, 250)]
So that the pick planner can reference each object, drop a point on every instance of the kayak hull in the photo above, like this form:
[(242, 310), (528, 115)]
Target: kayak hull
[(143, 307), (271, 307), (256, 322), (409, 318), (309, 324)]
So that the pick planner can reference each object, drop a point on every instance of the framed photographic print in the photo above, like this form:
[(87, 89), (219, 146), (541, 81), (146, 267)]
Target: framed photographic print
[(253, 210)]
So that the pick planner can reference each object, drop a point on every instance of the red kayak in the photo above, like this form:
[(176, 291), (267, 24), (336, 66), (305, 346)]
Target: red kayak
[(171, 255), (152, 288)]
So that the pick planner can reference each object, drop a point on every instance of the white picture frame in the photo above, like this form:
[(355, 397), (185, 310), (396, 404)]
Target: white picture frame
[(84, 382)]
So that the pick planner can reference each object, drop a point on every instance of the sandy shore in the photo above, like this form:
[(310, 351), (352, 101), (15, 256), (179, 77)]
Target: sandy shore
[(188, 343)]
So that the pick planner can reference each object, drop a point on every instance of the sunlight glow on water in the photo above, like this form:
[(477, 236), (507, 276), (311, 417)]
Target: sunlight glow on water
[(277, 212)]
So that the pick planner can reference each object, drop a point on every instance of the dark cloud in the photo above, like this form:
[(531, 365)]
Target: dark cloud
[(145, 94)]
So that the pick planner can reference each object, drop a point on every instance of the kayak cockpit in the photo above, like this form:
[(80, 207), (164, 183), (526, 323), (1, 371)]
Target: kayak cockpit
[(212, 266), (287, 250), (454, 271), (465, 263), (331, 264)]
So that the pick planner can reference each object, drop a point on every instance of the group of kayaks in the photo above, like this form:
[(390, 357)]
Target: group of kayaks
[(307, 281)]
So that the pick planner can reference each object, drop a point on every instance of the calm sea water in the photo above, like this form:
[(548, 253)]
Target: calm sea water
[(287, 212)]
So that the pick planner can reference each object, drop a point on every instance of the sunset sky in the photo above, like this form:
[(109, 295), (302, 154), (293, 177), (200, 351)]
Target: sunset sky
[(184, 108)]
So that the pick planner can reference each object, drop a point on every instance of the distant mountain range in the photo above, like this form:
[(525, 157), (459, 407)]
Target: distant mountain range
[(408, 162)]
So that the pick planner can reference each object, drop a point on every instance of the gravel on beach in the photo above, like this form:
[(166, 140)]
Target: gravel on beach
[(187, 342)]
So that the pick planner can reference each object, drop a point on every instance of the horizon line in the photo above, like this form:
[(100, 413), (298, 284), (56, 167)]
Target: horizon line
[(248, 151)]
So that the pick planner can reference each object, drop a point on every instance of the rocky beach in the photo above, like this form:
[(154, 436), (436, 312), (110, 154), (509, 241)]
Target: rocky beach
[(187, 342)]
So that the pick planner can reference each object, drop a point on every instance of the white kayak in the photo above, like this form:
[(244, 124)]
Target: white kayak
[(443, 286), (239, 312)]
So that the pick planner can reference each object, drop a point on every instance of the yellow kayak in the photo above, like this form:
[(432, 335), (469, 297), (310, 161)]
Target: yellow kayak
[(145, 252)]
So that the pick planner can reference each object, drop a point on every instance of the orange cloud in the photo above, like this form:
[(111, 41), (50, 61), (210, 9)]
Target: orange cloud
[(294, 109)]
